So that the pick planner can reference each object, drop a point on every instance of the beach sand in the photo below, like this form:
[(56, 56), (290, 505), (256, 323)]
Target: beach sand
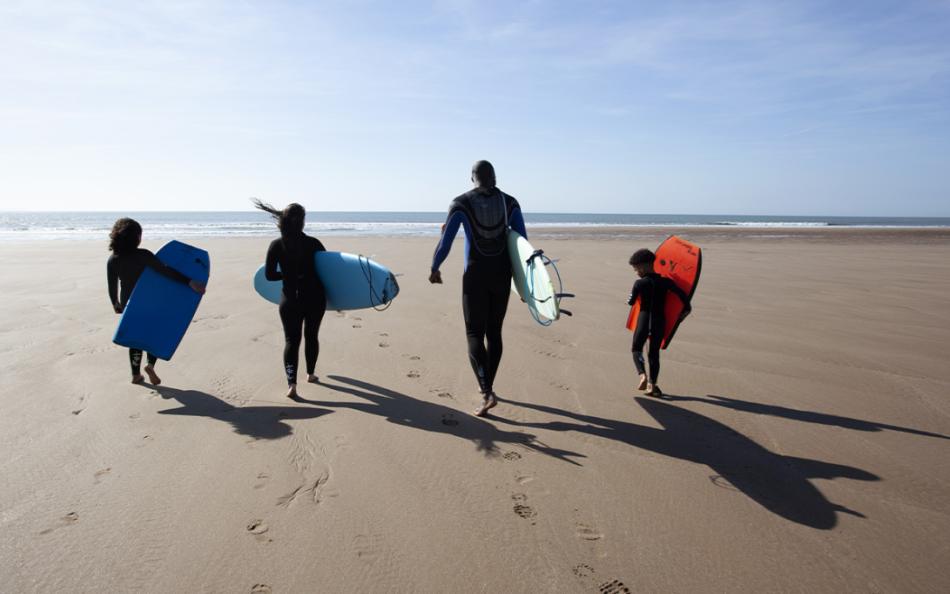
[(804, 446)]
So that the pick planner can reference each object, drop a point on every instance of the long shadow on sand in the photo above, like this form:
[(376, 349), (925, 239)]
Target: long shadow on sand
[(261, 422), (800, 415), (778, 483), (405, 410)]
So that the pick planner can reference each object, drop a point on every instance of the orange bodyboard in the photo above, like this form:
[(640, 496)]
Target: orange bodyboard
[(681, 262)]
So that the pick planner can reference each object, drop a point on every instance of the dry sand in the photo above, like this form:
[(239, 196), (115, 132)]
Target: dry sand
[(804, 447)]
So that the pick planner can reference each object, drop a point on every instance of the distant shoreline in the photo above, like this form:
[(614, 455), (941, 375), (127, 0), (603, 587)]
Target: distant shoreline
[(19, 226), (896, 235)]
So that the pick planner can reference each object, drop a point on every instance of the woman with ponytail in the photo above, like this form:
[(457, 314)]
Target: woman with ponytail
[(303, 301)]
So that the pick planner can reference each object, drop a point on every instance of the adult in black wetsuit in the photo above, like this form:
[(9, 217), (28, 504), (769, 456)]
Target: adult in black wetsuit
[(303, 300), (652, 290), (485, 213), (123, 269)]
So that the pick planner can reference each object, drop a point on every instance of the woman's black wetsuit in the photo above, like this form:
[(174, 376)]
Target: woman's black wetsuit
[(486, 283), (303, 300), (652, 290), (122, 272)]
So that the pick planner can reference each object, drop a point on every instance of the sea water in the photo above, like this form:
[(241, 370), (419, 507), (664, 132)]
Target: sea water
[(165, 225)]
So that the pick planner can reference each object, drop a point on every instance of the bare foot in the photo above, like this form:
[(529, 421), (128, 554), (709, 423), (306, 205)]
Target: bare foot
[(654, 390), (292, 392), (313, 379), (138, 379), (152, 376), (489, 401), (643, 382)]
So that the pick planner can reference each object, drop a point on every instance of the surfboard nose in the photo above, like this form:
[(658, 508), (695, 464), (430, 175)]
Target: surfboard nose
[(391, 289)]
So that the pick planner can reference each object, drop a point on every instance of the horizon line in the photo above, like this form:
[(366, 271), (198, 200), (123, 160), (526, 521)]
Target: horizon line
[(704, 214)]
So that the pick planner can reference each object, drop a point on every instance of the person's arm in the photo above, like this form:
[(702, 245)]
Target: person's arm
[(682, 297), (634, 293), (517, 221), (449, 230), (152, 261), (112, 277), (271, 272)]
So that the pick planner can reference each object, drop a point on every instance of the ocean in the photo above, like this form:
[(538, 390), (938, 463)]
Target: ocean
[(164, 225)]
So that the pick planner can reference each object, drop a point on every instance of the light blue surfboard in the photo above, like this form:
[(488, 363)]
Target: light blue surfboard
[(350, 281), (160, 309)]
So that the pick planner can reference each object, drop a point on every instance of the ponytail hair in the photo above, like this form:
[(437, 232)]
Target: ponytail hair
[(290, 221)]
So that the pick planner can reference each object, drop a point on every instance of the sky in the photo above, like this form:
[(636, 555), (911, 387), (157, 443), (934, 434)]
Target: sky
[(725, 107)]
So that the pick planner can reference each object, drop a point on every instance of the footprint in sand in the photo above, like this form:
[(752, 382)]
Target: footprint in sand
[(68, 519), (261, 589), (614, 587), (342, 443), (258, 528), (521, 509), (263, 477), (511, 456), (102, 472), (449, 419), (357, 325), (524, 479), (583, 570), (413, 374), (367, 547), (383, 334), (81, 407), (134, 416), (413, 357), (586, 532), (383, 345), (722, 482)]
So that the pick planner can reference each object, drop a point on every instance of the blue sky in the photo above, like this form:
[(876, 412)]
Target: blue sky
[(834, 108)]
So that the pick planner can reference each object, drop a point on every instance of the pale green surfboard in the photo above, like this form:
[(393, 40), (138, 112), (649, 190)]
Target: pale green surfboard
[(530, 279)]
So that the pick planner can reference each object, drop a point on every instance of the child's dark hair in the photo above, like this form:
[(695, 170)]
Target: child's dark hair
[(641, 257), (125, 235), (290, 221)]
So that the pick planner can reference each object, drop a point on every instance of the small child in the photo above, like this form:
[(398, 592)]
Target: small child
[(126, 265), (651, 289)]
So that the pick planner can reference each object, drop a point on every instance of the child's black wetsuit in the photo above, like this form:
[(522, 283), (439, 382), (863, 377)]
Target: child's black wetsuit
[(486, 284), (122, 272), (652, 291), (303, 299)]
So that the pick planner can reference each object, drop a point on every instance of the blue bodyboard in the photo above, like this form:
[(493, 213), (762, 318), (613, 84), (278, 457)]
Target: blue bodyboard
[(160, 309), (350, 281)]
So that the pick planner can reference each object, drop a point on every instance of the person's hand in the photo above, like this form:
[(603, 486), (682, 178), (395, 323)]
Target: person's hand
[(197, 287), (435, 278)]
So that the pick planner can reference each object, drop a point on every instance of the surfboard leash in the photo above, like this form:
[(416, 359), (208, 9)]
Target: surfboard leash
[(558, 295), (374, 297)]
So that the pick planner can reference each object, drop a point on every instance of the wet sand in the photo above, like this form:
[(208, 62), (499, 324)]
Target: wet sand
[(803, 445)]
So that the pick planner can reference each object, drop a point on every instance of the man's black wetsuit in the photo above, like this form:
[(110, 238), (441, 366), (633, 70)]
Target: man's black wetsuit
[(652, 290), (122, 272), (303, 299), (486, 284)]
